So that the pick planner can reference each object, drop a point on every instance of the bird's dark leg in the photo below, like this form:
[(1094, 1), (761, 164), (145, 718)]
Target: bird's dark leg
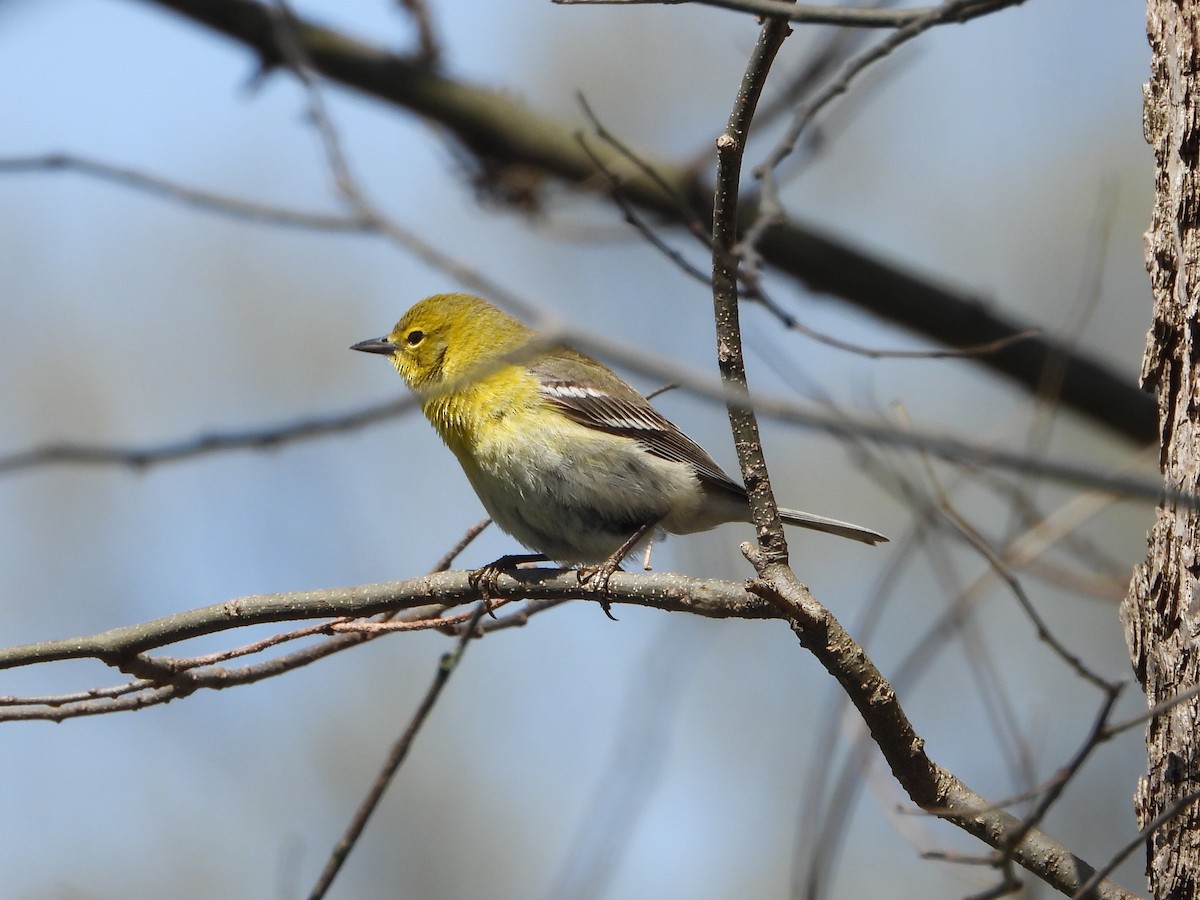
[(484, 579), (597, 578)]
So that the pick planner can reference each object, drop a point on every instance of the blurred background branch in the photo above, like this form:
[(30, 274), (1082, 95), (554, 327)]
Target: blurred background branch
[(504, 134)]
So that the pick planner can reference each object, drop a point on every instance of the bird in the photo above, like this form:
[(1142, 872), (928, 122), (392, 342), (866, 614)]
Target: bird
[(564, 454)]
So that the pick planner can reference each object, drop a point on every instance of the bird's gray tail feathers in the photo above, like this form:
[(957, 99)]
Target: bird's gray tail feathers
[(831, 526)]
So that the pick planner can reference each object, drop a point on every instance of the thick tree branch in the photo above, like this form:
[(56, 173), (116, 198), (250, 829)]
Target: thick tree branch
[(500, 130), (678, 593), (931, 787)]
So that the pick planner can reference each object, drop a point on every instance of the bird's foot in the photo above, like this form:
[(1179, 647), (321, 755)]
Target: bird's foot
[(486, 578)]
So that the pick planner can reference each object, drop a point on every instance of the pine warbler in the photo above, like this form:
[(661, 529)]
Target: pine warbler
[(566, 457)]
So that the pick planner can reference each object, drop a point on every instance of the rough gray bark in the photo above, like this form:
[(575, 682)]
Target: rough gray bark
[(1162, 609)]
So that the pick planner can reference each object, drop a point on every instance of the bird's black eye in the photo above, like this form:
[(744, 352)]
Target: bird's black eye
[(414, 337)]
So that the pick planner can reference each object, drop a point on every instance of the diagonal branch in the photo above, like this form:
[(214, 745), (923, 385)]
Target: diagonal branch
[(932, 787), (499, 129)]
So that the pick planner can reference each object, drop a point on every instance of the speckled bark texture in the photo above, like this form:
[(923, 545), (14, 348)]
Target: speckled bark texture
[(1161, 612)]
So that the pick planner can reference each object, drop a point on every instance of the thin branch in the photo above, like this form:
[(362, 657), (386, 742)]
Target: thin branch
[(731, 147), (430, 49), (140, 693), (210, 201), (847, 16), (172, 664), (442, 622), (917, 22), (1093, 886), (1156, 710), (1080, 312), (670, 192), (771, 212), (796, 325), (116, 647), (1096, 736), (341, 850), (753, 287), (1005, 573), (639, 224), (465, 541), (1044, 634), (1009, 884), (135, 457), (60, 700), (517, 619)]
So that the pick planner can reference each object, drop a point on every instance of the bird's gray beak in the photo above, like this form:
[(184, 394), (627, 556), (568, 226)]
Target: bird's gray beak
[(376, 345)]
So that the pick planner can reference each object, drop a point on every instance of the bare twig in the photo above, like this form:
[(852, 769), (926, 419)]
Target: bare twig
[(1092, 887), (930, 786), (465, 541), (441, 622), (1156, 710), (771, 210), (1047, 408), (430, 48), (754, 289), (670, 191), (876, 353), (1005, 573), (848, 16), (1095, 737), (743, 423), (140, 693), (211, 201), (214, 442), (706, 597), (636, 220), (161, 679), (517, 619), (448, 663)]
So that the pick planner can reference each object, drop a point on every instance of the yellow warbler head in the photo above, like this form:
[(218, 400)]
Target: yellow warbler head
[(445, 336)]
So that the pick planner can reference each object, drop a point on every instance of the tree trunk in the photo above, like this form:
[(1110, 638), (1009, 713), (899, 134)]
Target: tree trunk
[(1161, 612)]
